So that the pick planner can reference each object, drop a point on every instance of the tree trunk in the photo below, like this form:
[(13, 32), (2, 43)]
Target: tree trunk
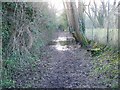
[(67, 13), (73, 18), (119, 25), (81, 18), (108, 25), (76, 22)]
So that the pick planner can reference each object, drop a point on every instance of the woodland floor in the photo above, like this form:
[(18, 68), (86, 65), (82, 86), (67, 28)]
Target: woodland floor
[(64, 65)]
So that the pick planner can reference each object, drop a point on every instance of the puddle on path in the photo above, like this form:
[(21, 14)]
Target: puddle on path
[(62, 43)]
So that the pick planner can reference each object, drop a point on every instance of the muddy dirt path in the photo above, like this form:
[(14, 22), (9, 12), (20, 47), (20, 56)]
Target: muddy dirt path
[(64, 65)]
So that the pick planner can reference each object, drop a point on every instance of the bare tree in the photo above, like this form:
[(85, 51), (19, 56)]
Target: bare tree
[(118, 24), (73, 18), (81, 9)]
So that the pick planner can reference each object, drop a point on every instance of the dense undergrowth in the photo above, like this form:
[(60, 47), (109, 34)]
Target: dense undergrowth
[(105, 63), (26, 28)]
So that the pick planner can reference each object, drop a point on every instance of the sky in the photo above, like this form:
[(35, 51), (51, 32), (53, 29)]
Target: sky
[(58, 4)]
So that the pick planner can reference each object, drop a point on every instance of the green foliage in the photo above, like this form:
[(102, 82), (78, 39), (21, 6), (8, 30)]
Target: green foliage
[(63, 21), (29, 13), (17, 18), (106, 66), (6, 79)]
